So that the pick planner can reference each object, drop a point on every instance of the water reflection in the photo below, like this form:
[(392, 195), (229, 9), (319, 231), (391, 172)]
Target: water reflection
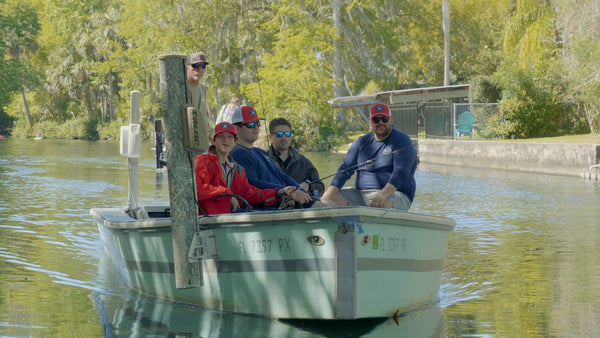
[(523, 260), (523, 255), (122, 316)]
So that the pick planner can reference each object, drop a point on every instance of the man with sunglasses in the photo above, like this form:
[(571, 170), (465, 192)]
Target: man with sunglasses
[(291, 162), (261, 171), (385, 161), (197, 92)]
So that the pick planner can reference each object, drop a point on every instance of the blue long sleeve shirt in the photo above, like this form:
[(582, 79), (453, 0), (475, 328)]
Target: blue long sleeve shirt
[(261, 171), (394, 161)]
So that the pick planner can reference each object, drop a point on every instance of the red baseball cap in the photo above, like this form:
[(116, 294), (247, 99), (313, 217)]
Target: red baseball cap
[(245, 114), (224, 127), (380, 109)]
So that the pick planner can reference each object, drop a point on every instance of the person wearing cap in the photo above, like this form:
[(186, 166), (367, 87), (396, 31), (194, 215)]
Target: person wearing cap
[(385, 162), (291, 162), (197, 92), (262, 172), (218, 176), (227, 110)]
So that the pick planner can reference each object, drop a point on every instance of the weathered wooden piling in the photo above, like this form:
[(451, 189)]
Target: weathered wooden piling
[(180, 169)]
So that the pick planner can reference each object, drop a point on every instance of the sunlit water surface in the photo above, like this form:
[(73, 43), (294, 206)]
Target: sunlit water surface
[(523, 259)]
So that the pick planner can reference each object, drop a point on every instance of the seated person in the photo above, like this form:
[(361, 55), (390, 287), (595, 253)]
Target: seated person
[(262, 172), (390, 182), (217, 173), (291, 162)]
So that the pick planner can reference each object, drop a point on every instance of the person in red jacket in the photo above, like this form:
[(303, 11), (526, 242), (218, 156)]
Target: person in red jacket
[(218, 176)]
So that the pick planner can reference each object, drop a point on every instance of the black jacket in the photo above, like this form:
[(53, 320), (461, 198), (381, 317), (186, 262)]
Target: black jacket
[(300, 168)]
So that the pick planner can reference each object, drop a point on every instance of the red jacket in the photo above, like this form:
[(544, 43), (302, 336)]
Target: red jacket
[(210, 183)]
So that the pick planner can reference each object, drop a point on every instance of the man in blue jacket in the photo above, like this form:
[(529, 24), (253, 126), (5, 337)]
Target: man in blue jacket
[(385, 161), (261, 171)]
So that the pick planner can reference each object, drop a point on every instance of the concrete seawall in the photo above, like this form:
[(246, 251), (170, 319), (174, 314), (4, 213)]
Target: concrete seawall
[(547, 158)]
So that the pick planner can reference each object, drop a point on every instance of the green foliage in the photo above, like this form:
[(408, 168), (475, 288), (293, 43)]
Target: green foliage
[(18, 28), (485, 89), (532, 75), (78, 58), (6, 123), (109, 130), (295, 79), (583, 76), (21, 129), (90, 132), (534, 111)]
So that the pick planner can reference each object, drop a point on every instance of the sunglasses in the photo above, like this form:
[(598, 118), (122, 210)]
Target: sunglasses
[(199, 65), (376, 119), (252, 125), (280, 134)]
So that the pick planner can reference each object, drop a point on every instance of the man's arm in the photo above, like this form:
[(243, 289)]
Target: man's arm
[(248, 159)]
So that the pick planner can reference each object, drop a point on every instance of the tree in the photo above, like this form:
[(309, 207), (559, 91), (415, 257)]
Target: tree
[(579, 26), (19, 26), (531, 72), (295, 80)]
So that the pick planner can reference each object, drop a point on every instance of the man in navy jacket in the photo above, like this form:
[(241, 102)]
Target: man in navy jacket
[(385, 161)]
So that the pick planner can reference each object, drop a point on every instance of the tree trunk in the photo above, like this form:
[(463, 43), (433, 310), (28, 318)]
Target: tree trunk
[(446, 24), (338, 75), (26, 107), (110, 104)]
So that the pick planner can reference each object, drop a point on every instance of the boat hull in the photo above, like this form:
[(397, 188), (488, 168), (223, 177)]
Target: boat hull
[(330, 263)]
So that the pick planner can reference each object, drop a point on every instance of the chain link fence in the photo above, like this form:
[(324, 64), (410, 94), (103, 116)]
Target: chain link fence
[(488, 119)]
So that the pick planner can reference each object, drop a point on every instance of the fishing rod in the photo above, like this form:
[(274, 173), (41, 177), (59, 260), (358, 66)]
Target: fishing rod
[(361, 166)]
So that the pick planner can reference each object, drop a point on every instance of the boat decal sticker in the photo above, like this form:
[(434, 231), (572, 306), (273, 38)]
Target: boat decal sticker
[(316, 240), (390, 244), (366, 239)]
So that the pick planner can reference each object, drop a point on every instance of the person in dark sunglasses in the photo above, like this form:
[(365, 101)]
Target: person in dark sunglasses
[(294, 164), (389, 179), (197, 92), (261, 171)]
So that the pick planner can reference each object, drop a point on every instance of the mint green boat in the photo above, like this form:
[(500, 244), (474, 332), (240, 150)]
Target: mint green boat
[(331, 263)]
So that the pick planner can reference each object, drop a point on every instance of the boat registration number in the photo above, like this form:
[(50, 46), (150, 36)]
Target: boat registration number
[(263, 246), (389, 243)]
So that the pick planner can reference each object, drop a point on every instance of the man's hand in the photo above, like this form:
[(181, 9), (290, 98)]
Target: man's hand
[(301, 197), (286, 191), (380, 201)]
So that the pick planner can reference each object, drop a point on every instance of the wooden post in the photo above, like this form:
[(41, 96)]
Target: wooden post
[(134, 118), (180, 169)]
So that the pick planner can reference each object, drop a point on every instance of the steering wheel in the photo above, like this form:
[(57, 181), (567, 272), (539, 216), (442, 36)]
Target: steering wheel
[(240, 198)]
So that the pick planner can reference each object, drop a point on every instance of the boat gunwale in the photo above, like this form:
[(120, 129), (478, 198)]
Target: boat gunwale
[(112, 219)]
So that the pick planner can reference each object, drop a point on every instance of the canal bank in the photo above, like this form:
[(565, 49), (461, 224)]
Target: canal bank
[(546, 158)]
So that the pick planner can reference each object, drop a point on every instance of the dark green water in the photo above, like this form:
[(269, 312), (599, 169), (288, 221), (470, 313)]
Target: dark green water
[(522, 261)]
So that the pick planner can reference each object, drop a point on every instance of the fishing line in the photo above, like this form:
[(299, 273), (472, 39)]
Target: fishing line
[(364, 165)]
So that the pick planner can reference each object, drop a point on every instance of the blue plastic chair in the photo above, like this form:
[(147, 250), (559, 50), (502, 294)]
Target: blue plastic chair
[(465, 124)]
